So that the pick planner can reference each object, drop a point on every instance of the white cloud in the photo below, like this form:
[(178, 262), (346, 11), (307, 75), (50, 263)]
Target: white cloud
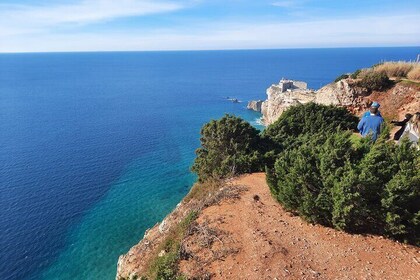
[(384, 30), (30, 18)]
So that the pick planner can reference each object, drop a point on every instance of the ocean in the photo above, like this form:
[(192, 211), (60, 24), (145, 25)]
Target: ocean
[(96, 147)]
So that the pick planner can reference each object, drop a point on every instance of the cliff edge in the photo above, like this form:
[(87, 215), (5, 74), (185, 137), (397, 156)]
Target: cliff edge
[(241, 232)]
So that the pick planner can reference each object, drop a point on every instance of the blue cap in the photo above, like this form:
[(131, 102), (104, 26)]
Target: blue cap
[(375, 105)]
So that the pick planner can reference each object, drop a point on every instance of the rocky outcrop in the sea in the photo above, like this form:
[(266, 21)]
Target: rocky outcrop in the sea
[(254, 105)]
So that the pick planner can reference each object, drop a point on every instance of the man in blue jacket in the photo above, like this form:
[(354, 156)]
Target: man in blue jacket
[(371, 124)]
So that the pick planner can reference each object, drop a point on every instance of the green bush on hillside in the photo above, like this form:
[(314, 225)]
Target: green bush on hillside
[(318, 168), (229, 146), (401, 197), (355, 74), (296, 125), (358, 188), (375, 81), (306, 175), (341, 77)]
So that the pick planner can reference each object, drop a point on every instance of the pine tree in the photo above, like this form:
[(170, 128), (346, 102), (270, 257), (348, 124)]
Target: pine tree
[(229, 146), (401, 199)]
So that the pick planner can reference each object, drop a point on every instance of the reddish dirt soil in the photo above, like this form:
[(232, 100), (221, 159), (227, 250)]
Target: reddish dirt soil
[(398, 101), (253, 237)]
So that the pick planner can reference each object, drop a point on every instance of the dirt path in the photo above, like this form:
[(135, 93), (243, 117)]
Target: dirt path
[(254, 238)]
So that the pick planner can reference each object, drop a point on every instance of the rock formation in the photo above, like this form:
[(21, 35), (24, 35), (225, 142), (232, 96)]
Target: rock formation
[(279, 100), (139, 255), (344, 93), (254, 105), (280, 97)]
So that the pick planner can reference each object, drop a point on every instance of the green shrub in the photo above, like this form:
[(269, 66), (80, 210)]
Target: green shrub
[(296, 125), (229, 146), (329, 176), (307, 175), (401, 199), (355, 74), (375, 81), (341, 77), (318, 168), (166, 267), (348, 204)]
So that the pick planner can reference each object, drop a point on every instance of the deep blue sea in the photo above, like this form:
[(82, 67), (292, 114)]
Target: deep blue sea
[(96, 147)]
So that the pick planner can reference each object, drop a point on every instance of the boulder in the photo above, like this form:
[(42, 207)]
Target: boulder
[(254, 105)]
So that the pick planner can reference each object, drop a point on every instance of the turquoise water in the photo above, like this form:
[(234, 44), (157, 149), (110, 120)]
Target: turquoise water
[(96, 147)]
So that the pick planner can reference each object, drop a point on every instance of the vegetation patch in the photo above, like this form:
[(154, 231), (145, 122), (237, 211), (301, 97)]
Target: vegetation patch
[(299, 123), (355, 74), (341, 77), (229, 146), (204, 189), (414, 73), (411, 83), (397, 69), (318, 168), (375, 81), (164, 264)]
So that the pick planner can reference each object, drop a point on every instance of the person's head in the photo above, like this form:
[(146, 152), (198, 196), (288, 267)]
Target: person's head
[(408, 116), (374, 107)]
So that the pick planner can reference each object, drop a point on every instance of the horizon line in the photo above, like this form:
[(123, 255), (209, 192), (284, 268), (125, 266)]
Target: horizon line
[(207, 50)]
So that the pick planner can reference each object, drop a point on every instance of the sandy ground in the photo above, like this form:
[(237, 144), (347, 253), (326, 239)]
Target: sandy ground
[(252, 237)]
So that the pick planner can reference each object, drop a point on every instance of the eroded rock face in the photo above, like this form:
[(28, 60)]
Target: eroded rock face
[(255, 105), (279, 100), (134, 262), (343, 93), (395, 102)]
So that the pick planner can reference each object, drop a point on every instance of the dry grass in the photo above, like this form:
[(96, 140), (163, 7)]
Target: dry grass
[(225, 193), (207, 235), (165, 258), (364, 72), (414, 74), (201, 190), (398, 69), (165, 266)]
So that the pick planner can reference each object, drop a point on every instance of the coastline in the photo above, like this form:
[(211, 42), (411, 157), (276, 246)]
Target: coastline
[(343, 93), (67, 145)]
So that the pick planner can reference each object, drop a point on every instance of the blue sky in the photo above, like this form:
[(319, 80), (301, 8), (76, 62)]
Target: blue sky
[(120, 25)]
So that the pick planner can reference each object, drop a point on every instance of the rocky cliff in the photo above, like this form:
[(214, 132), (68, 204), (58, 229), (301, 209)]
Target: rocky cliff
[(278, 101), (404, 95)]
